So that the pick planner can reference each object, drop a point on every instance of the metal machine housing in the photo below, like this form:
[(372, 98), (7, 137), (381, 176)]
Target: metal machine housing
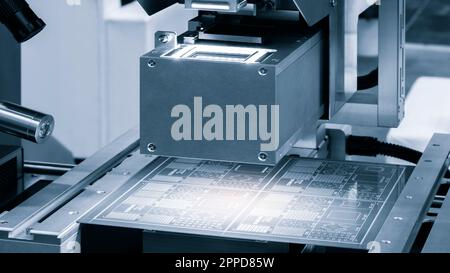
[(291, 77)]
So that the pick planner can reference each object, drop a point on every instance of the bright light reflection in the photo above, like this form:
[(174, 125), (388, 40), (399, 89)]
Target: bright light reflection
[(220, 53)]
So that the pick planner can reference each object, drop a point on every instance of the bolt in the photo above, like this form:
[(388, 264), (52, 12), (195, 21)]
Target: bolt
[(3, 222), (164, 38), (262, 71), (409, 197), (101, 192), (151, 148), (387, 242), (73, 212), (333, 3), (262, 157), (398, 218), (151, 64)]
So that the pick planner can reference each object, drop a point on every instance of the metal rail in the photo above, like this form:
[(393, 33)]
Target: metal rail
[(16, 222), (400, 229)]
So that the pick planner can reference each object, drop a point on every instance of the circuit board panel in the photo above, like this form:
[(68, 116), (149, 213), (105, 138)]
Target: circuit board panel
[(302, 201)]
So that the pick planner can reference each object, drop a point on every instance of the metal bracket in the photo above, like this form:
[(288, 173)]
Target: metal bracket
[(166, 39)]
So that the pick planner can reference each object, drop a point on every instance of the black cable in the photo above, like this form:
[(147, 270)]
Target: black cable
[(368, 81), (370, 146)]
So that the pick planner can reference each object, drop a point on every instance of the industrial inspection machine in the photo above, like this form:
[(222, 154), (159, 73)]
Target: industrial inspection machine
[(242, 145)]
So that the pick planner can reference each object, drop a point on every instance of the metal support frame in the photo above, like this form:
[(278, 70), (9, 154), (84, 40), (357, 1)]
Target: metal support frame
[(44, 221), (386, 107), (400, 230)]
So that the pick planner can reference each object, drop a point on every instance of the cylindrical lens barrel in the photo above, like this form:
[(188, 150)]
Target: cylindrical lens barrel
[(25, 123), (21, 21)]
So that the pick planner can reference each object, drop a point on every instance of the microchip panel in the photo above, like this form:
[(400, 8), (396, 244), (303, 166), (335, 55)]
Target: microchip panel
[(303, 201)]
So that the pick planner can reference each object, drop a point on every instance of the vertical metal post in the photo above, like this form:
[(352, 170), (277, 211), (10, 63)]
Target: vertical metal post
[(336, 80), (391, 92)]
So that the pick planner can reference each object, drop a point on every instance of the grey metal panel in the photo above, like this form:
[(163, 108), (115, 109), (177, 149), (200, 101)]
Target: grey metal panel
[(438, 240), (304, 75), (17, 221), (402, 225), (228, 84), (391, 87)]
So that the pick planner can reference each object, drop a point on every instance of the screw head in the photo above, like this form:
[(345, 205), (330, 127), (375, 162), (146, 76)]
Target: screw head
[(151, 147), (262, 157), (262, 71), (73, 212), (3, 222), (100, 192), (386, 242), (333, 3), (164, 38), (151, 64)]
